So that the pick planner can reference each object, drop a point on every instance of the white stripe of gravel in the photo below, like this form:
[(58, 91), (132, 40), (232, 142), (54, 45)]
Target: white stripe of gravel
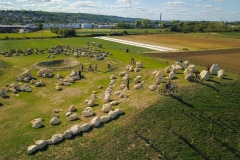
[(153, 47)]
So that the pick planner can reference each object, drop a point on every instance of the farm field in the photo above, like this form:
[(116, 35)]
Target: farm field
[(191, 41), (200, 122), (201, 50)]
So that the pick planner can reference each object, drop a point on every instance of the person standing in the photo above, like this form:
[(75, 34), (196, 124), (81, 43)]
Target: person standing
[(80, 74), (127, 83), (95, 67), (82, 68)]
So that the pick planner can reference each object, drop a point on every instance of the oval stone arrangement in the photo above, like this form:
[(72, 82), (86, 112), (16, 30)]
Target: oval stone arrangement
[(74, 131)]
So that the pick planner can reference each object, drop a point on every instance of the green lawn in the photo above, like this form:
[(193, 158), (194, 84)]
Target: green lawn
[(38, 34)]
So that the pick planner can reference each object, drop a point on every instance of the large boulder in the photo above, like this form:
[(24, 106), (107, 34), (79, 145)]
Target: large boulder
[(118, 111), (95, 122), (187, 72), (57, 138), (159, 79), (171, 75), (76, 129), (105, 119), (204, 75), (88, 112), (106, 107), (72, 108), (113, 77), (45, 72), (25, 76), (55, 121), (152, 87), (112, 114), (91, 102), (37, 123), (137, 79), (139, 64), (220, 73), (186, 63), (31, 149), (107, 96), (168, 69), (40, 144), (3, 93), (123, 73), (114, 103), (214, 69), (139, 85), (112, 82), (85, 127), (73, 117), (192, 68), (67, 134)]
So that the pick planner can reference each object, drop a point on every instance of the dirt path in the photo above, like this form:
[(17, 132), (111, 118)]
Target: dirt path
[(144, 45)]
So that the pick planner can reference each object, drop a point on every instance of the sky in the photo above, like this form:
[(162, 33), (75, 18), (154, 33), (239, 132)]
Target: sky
[(185, 10)]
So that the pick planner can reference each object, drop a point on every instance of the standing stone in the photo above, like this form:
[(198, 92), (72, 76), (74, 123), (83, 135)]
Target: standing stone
[(55, 121), (214, 69), (57, 138), (31, 149)]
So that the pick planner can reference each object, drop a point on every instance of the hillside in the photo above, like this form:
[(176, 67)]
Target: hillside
[(25, 17)]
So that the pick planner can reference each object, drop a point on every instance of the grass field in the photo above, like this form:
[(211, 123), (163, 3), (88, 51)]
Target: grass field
[(200, 122), (39, 34), (81, 32)]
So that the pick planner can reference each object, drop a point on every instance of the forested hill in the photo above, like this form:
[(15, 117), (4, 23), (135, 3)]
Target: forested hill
[(25, 17)]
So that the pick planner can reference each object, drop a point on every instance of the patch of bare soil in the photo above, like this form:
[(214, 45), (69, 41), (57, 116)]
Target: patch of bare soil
[(57, 64)]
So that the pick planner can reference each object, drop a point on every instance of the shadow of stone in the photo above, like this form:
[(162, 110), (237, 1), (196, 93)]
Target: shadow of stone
[(1, 104), (146, 140), (42, 126), (229, 148), (211, 80), (6, 97), (225, 78), (182, 101), (76, 135), (40, 150), (190, 145), (95, 105), (210, 86), (101, 125)]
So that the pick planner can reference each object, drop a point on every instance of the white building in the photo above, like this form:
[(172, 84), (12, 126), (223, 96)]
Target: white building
[(87, 25)]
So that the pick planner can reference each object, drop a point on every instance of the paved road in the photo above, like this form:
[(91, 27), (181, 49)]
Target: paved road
[(153, 47)]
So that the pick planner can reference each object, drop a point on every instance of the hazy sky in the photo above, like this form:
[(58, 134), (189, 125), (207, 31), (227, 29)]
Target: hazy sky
[(207, 10)]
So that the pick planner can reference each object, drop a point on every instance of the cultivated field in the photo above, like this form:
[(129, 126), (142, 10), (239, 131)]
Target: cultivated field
[(189, 41), (198, 48), (200, 122)]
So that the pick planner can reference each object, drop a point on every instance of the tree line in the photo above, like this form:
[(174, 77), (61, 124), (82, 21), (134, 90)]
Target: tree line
[(64, 32), (180, 26)]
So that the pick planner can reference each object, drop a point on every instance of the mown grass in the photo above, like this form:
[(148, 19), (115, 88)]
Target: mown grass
[(81, 32), (26, 35), (200, 122)]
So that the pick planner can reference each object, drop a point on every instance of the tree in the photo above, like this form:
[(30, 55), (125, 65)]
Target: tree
[(137, 23), (146, 23), (39, 26)]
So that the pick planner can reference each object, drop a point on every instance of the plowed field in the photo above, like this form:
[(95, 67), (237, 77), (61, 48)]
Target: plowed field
[(201, 48)]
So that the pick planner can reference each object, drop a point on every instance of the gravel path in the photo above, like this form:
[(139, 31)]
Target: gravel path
[(153, 47)]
